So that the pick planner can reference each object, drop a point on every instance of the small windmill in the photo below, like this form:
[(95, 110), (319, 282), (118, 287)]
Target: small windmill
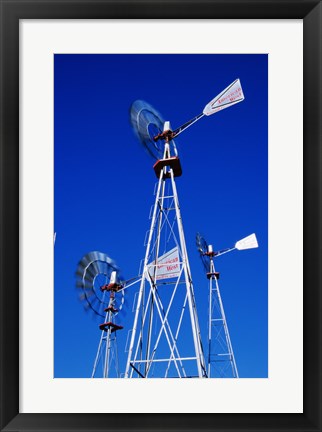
[(221, 360), (103, 294)]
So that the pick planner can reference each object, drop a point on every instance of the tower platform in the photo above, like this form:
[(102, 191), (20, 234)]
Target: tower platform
[(172, 162)]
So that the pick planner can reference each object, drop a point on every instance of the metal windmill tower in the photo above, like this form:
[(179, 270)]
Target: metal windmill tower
[(102, 294), (221, 361), (165, 340)]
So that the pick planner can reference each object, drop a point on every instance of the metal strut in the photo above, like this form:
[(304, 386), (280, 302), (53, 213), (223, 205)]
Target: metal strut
[(220, 350), (157, 347), (108, 353)]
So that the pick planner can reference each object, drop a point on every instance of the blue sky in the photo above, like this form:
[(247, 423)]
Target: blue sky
[(104, 184)]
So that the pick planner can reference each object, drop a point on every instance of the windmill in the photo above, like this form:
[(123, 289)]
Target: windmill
[(220, 360), (165, 340), (103, 294)]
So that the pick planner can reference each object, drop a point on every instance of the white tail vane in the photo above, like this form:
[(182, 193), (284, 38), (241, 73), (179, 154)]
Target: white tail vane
[(249, 242), (232, 95)]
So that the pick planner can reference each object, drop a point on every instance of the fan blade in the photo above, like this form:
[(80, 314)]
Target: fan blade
[(199, 241), (89, 273), (146, 123), (79, 284), (201, 244), (105, 258), (88, 308), (85, 285), (81, 275), (202, 247), (85, 296), (87, 259)]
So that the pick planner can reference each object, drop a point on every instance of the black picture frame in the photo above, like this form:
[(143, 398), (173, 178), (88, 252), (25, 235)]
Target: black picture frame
[(11, 12)]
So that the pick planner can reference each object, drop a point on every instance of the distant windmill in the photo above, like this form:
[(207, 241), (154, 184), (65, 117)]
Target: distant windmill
[(221, 360), (102, 294)]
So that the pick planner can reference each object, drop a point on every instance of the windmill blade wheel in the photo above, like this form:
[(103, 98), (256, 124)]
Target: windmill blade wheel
[(93, 272)]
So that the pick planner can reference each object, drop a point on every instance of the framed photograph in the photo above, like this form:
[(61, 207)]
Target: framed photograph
[(232, 195), (160, 216)]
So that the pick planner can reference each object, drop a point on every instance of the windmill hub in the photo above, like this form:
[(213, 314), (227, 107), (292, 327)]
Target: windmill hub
[(167, 135), (111, 309), (111, 287)]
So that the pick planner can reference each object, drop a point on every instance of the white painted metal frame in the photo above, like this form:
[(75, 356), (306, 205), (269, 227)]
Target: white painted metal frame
[(107, 351), (107, 348), (153, 307), (221, 323)]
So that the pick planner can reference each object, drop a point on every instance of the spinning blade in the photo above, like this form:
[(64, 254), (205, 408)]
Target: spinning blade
[(202, 247), (147, 122), (94, 271)]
